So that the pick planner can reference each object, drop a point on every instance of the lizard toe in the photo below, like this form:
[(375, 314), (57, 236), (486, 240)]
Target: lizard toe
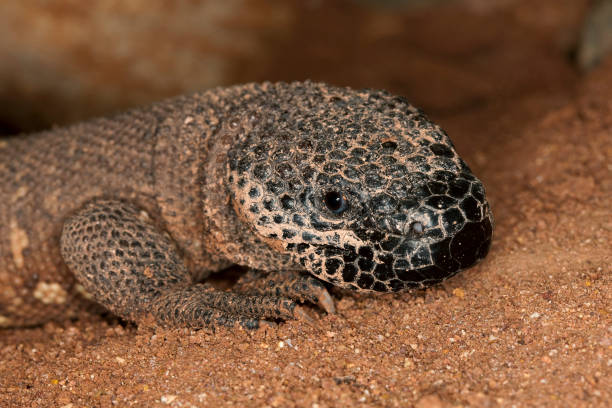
[(287, 284)]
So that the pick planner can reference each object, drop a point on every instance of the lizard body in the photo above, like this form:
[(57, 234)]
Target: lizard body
[(356, 187)]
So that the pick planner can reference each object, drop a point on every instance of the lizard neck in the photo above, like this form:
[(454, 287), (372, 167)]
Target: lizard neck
[(228, 235), (195, 137), (186, 127)]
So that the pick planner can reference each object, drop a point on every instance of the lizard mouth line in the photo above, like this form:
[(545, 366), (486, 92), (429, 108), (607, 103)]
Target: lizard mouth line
[(397, 263)]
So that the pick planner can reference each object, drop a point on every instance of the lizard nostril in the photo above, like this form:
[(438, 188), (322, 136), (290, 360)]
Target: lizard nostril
[(416, 228)]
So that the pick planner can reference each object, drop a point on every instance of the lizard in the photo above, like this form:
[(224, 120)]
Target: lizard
[(308, 186)]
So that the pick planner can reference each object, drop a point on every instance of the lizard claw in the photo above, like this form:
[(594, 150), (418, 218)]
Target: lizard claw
[(326, 302)]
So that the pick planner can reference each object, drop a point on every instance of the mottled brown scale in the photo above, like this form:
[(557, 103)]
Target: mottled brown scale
[(356, 188)]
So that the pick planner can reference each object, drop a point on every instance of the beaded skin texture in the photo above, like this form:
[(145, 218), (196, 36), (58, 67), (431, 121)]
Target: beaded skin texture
[(303, 183)]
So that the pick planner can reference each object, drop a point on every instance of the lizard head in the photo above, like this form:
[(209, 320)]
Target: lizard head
[(359, 188)]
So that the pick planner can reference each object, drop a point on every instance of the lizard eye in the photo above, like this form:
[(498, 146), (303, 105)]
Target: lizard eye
[(336, 202)]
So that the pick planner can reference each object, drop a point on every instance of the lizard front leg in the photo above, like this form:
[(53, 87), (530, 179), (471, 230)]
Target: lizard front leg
[(134, 269)]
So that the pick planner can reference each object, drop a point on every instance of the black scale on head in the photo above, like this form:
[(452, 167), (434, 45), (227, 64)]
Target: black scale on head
[(360, 187)]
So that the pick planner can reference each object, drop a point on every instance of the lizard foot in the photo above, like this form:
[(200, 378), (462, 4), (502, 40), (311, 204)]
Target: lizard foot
[(202, 306), (286, 284)]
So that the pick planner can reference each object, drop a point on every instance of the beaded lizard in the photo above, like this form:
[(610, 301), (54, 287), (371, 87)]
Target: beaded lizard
[(358, 188)]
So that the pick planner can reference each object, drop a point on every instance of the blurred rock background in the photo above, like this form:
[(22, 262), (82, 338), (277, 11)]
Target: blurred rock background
[(66, 60)]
